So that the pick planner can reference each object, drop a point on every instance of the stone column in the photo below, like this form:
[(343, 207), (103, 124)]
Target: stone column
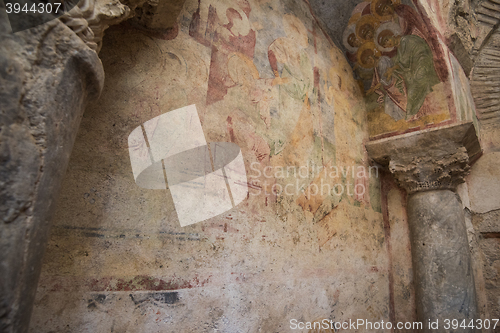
[(429, 165), (47, 76)]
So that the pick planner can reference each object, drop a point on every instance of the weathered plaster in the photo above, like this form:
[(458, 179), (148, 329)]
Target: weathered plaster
[(117, 258)]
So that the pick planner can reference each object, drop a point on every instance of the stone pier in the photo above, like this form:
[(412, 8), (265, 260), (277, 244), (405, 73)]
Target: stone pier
[(47, 76)]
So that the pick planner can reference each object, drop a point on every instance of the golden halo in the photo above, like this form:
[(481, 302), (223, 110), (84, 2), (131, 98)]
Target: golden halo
[(388, 28), (354, 18), (349, 33), (364, 23), (238, 64), (365, 52), (379, 16)]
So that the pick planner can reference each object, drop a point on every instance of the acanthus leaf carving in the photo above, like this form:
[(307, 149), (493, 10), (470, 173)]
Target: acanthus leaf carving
[(424, 173), (90, 18)]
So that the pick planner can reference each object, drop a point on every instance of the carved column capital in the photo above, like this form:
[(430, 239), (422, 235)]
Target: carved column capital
[(89, 18), (428, 160), (423, 173)]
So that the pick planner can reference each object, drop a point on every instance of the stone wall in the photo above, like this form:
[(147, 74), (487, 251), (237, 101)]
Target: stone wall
[(483, 206), (264, 76)]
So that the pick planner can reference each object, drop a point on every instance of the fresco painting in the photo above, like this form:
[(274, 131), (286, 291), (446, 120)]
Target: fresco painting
[(227, 30), (400, 67), (270, 92), (285, 94)]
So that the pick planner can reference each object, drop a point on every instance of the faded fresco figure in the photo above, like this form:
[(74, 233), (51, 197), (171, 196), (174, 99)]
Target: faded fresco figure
[(391, 89), (411, 23), (393, 54), (407, 78), (245, 127), (362, 51), (415, 65), (227, 31), (394, 99), (293, 73), (366, 27)]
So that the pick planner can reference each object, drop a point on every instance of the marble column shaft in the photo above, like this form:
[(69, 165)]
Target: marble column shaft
[(444, 283)]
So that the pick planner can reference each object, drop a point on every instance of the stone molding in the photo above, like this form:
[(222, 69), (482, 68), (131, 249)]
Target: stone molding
[(428, 160), (485, 80), (475, 43)]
